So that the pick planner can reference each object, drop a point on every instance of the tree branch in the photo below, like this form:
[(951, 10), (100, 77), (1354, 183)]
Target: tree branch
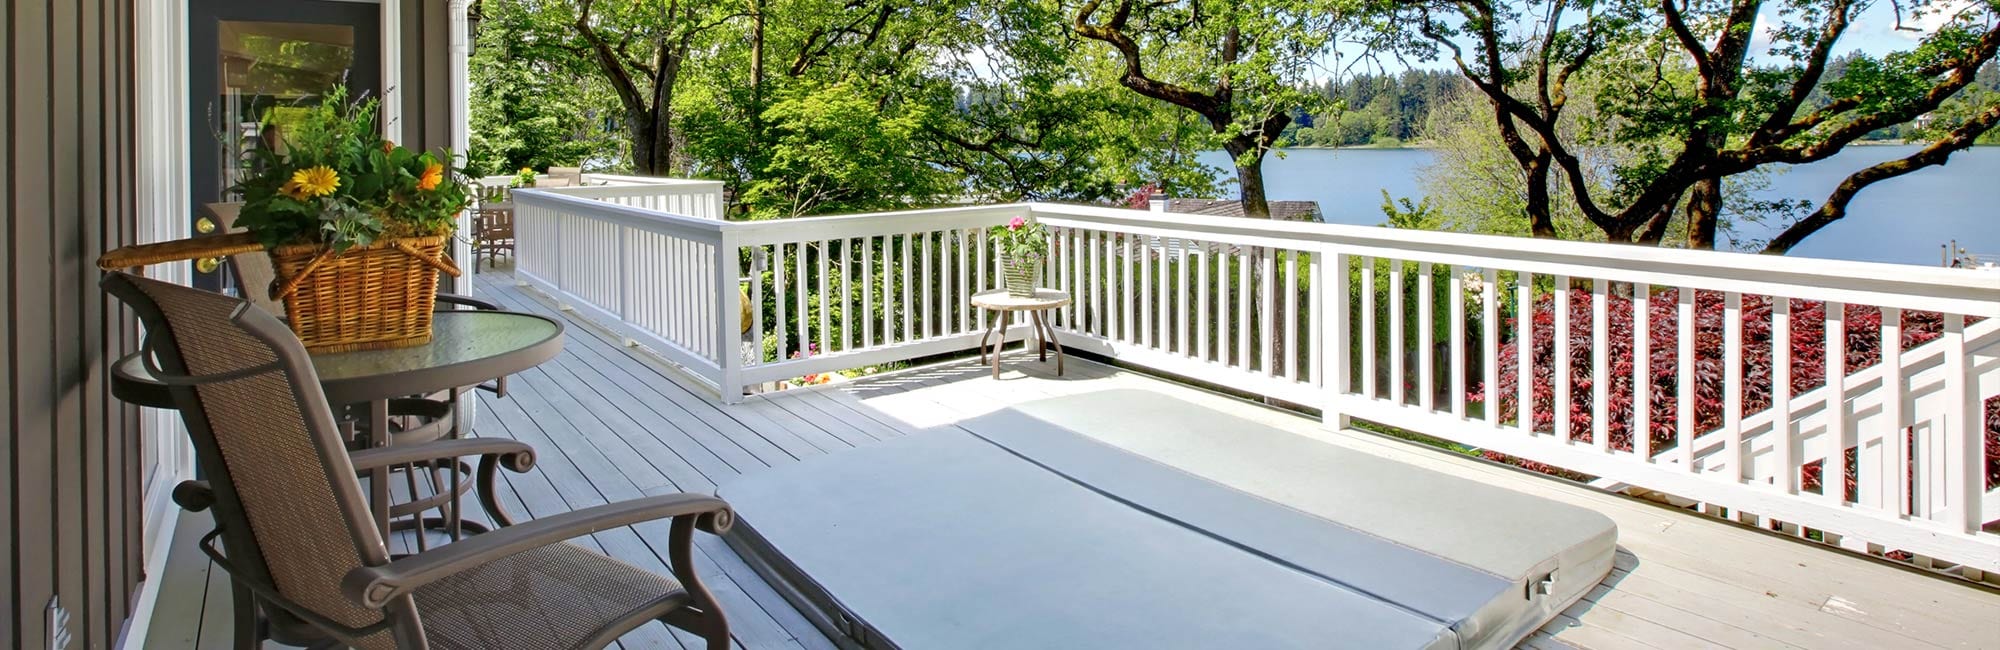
[(1835, 206)]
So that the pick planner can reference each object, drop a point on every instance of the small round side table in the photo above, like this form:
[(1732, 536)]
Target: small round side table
[(1004, 306)]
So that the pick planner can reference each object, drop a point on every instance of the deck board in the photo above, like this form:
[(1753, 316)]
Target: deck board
[(612, 422)]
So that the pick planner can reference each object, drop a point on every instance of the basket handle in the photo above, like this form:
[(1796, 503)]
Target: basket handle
[(441, 263), (138, 255)]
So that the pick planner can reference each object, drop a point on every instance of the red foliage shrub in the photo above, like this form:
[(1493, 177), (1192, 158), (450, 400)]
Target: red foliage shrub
[(1808, 363)]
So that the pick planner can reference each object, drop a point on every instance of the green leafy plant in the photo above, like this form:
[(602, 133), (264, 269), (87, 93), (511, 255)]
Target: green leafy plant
[(1022, 239), (337, 183), (523, 178)]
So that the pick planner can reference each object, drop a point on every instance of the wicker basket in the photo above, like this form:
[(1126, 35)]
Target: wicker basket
[(367, 298)]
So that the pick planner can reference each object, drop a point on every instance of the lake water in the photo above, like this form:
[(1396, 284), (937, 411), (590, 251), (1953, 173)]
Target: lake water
[(1903, 219)]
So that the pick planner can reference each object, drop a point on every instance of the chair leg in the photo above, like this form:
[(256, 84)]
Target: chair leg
[(245, 607)]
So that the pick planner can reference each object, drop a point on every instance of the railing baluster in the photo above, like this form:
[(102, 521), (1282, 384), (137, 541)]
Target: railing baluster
[(1964, 456), (1562, 334), (1600, 365), (1290, 269), (1684, 380), (1368, 327), (821, 263), (781, 294), (1456, 381), (847, 319), (929, 326), (1732, 385), (1833, 471), (1642, 375), (1244, 317), (867, 292), (1489, 345), (757, 305), (958, 298), (1203, 312), (805, 317), (1899, 474), (1267, 289), (1145, 261), (1781, 395), (1162, 299), (1426, 346), (1524, 351), (1127, 268), (1398, 375), (1182, 324)]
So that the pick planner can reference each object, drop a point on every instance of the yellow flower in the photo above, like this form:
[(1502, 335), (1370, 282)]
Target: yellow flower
[(294, 190), (315, 181), (433, 175), (526, 170)]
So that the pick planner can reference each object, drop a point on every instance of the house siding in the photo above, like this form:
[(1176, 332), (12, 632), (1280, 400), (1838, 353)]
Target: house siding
[(70, 470)]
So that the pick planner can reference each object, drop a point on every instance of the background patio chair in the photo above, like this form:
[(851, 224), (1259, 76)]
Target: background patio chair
[(295, 531)]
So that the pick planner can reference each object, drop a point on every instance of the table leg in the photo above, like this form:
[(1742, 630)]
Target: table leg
[(451, 516), (378, 478), (1041, 344), (997, 318), (999, 323), (1051, 330)]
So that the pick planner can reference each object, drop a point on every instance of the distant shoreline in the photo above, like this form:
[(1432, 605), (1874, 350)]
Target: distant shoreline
[(1318, 147)]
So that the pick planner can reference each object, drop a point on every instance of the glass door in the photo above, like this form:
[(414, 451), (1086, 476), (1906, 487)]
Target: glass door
[(255, 65)]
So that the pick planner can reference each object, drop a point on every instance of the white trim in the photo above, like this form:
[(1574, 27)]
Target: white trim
[(458, 97), (391, 30), (161, 144)]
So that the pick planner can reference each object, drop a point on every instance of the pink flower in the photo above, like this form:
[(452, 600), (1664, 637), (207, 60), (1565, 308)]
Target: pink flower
[(1017, 224)]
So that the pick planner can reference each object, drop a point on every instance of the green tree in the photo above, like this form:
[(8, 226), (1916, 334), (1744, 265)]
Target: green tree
[(1683, 88), (1240, 65), (534, 104)]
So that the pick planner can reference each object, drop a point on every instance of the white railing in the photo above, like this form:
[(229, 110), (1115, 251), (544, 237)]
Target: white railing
[(1413, 330)]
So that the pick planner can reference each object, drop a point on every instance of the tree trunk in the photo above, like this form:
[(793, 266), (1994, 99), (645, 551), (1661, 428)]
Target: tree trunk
[(639, 133), (757, 75), (1250, 178), (1704, 211), (1541, 220)]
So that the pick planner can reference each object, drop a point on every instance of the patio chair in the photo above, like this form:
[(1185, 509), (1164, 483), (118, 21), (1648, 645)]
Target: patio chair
[(295, 531), (574, 174), (492, 235)]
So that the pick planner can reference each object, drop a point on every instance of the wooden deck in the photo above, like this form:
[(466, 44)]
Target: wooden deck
[(613, 423)]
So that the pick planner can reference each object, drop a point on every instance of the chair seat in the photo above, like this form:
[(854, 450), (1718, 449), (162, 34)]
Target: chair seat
[(557, 596)]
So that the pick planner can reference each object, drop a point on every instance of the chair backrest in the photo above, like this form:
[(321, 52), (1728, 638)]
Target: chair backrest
[(490, 194), (288, 507), (574, 174), (494, 224), (253, 272)]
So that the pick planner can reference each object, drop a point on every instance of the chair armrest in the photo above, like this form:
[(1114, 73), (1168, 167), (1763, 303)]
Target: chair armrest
[(518, 455), (376, 586), (466, 301)]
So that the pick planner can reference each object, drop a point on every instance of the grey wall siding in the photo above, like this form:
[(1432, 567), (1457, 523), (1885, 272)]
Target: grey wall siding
[(426, 40), (70, 469)]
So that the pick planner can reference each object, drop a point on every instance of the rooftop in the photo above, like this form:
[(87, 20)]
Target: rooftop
[(616, 422)]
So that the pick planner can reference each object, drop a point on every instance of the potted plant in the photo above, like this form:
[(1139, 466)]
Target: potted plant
[(356, 228), (1024, 245)]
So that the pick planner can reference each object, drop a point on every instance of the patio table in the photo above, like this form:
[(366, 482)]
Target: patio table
[(467, 348), (1004, 304)]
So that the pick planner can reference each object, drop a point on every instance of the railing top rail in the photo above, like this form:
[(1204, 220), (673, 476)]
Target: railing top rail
[(1965, 291), (775, 231), (676, 225)]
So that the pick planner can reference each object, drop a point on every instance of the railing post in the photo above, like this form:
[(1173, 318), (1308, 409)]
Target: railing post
[(1964, 419), (1333, 356), (728, 321), (624, 270)]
